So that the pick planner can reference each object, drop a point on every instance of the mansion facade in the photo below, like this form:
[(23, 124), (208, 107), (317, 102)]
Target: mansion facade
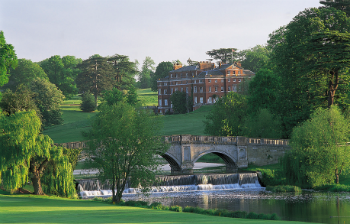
[(204, 81)]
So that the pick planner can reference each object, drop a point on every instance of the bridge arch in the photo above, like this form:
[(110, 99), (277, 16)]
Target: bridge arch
[(175, 165), (230, 163)]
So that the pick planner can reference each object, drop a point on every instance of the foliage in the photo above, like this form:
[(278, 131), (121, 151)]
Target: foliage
[(122, 144), (73, 155), (87, 102), (334, 188), (283, 188), (123, 70), (131, 96), (263, 125), (114, 96), (223, 54), (162, 71), (181, 102), (292, 58), (319, 151), (255, 58), (271, 177), (25, 73), (48, 100), (343, 5), (25, 153), (227, 117), (8, 59), (62, 72), (146, 72)]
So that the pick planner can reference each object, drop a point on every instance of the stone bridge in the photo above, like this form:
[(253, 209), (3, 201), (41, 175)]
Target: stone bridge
[(236, 151)]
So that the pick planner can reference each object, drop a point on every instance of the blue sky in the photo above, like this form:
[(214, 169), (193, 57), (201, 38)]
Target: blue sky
[(165, 30)]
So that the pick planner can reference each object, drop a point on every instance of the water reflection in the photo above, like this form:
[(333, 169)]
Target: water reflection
[(306, 206)]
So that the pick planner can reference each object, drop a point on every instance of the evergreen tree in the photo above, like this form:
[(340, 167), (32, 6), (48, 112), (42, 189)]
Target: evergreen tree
[(343, 5)]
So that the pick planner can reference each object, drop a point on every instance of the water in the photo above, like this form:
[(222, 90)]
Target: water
[(243, 192)]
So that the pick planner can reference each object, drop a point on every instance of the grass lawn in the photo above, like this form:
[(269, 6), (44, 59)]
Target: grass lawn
[(43, 209), (147, 97)]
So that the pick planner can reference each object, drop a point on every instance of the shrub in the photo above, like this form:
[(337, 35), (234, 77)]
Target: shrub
[(176, 208), (283, 188), (87, 103), (136, 203), (271, 177)]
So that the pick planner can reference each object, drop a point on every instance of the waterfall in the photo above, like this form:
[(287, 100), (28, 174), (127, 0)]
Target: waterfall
[(182, 183)]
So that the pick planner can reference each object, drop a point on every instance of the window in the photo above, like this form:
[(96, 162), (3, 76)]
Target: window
[(186, 75), (160, 84), (195, 81), (160, 103), (216, 80), (228, 72), (159, 91), (239, 72), (177, 75), (233, 80), (201, 89), (209, 89), (229, 88), (234, 88), (239, 80), (165, 91), (192, 74), (194, 89), (228, 80), (195, 99), (186, 89), (171, 105), (216, 88), (176, 89), (171, 75), (165, 83), (210, 100), (222, 80), (182, 89), (165, 102), (222, 89), (201, 99), (209, 80), (176, 83), (172, 90), (234, 72), (200, 81)]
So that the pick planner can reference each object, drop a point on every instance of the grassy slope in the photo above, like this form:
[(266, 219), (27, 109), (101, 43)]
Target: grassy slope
[(76, 121), (41, 209)]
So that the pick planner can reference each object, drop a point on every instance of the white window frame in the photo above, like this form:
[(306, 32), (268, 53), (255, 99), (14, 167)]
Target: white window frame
[(201, 99), (165, 102), (222, 89)]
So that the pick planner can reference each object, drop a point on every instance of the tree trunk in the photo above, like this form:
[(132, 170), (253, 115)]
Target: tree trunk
[(37, 183), (332, 87), (336, 176)]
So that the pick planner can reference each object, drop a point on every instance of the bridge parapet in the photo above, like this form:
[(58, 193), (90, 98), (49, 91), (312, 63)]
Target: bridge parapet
[(201, 139)]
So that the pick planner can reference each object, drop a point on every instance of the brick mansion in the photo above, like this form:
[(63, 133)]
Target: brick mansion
[(204, 80)]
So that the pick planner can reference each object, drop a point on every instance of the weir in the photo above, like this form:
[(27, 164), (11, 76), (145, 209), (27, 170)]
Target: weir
[(183, 183)]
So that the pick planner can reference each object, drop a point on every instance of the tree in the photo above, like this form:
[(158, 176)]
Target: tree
[(304, 88), (48, 100), (124, 71), (24, 153), (87, 102), (25, 73), (181, 102), (319, 152), (343, 5), (162, 71), (146, 72), (122, 144), (62, 72), (227, 117), (223, 54), (115, 96), (255, 58), (8, 59)]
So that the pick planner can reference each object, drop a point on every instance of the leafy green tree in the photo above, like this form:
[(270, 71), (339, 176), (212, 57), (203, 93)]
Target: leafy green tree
[(223, 54), (62, 72), (263, 125), (146, 72), (87, 102), (122, 144), (8, 59), (123, 70), (25, 73), (255, 58), (25, 153), (180, 101), (227, 117), (48, 100), (162, 71), (343, 5), (132, 96), (115, 96), (304, 89), (319, 152)]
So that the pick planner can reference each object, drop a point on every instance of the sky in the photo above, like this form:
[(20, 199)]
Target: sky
[(165, 30)]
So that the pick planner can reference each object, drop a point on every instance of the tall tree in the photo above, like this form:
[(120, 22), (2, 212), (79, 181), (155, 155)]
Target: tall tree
[(96, 76), (147, 71), (304, 88), (25, 73), (8, 59), (122, 144), (162, 71), (343, 5), (223, 54), (24, 153), (124, 71), (255, 58), (62, 72), (320, 153)]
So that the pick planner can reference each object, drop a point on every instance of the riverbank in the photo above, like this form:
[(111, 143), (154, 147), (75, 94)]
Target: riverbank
[(44, 209)]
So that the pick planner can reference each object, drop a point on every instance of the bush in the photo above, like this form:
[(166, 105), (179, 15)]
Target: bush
[(283, 188), (334, 188), (136, 203), (176, 208), (271, 177), (87, 103)]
